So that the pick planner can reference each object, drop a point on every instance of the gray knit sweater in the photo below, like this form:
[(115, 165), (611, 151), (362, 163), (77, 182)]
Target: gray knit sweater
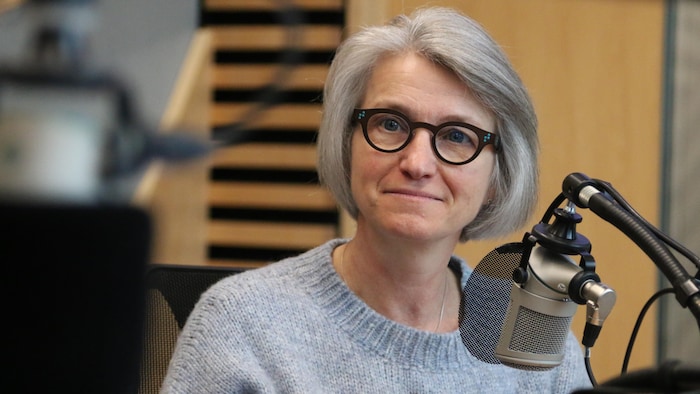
[(294, 327)]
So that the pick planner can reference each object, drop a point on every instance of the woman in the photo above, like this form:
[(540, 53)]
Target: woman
[(428, 138)]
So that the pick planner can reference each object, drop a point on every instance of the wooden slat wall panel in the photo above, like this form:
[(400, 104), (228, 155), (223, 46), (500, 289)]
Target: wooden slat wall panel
[(268, 156), (275, 37), (272, 4), (264, 199), (265, 195), (247, 76), (179, 219), (282, 235), (284, 116)]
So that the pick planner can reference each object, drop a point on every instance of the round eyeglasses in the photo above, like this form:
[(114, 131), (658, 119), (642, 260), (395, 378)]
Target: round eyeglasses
[(387, 130)]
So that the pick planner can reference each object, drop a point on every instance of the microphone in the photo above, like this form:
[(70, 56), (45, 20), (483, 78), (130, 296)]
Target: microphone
[(540, 311), (520, 299)]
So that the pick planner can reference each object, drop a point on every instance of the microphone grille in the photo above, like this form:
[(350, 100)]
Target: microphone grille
[(485, 300), (528, 322), (537, 337)]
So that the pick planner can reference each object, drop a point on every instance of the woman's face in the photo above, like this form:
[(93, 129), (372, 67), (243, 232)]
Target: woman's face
[(412, 193)]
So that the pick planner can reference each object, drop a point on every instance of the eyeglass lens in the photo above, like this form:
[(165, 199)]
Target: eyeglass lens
[(389, 132)]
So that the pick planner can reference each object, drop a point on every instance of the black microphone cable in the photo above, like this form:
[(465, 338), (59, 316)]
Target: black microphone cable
[(638, 324), (608, 188), (269, 95)]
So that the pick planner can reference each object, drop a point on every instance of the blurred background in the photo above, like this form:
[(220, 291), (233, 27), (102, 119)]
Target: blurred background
[(616, 85)]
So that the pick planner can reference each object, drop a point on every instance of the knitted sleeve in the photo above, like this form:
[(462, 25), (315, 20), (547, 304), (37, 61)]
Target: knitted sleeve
[(214, 353)]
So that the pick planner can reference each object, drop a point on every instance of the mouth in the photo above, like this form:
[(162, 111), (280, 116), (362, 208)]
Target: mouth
[(413, 194)]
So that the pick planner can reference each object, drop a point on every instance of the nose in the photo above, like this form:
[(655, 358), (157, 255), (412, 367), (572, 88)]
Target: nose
[(417, 158)]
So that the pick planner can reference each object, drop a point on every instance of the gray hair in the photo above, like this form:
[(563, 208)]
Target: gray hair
[(460, 44)]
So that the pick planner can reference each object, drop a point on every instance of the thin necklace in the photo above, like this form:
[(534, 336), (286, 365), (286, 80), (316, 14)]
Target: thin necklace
[(442, 307), (444, 290)]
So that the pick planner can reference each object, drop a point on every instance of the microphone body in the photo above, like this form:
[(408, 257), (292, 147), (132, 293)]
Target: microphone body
[(521, 298), (539, 314)]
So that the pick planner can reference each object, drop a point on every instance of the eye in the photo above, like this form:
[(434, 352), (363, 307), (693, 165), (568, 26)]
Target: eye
[(458, 136), (391, 123)]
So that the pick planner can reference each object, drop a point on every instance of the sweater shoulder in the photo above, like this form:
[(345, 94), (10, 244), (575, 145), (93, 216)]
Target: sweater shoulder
[(290, 274)]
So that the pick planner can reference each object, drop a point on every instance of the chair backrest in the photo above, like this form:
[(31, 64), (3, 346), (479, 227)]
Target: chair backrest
[(172, 292)]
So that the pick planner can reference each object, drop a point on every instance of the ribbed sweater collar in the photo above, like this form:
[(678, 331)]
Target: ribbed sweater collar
[(402, 344)]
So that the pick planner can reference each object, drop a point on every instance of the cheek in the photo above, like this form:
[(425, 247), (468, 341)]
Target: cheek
[(474, 183), (364, 161), (367, 168)]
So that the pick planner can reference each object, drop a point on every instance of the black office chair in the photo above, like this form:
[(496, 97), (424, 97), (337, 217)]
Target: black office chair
[(172, 292)]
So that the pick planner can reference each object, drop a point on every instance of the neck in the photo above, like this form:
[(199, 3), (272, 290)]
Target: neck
[(424, 296)]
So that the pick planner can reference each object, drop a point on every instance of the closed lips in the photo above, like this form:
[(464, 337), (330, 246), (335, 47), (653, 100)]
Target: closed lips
[(413, 193)]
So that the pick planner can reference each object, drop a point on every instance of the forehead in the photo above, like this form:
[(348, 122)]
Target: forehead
[(424, 91)]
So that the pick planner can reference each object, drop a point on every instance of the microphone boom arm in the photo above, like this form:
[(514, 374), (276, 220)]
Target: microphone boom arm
[(583, 192)]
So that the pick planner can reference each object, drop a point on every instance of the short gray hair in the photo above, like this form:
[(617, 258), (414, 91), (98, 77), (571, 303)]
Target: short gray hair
[(453, 40)]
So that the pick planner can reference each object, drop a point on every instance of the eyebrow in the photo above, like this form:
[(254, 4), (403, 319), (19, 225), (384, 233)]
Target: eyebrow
[(406, 112)]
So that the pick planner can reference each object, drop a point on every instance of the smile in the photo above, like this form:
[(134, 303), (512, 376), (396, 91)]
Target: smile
[(413, 194)]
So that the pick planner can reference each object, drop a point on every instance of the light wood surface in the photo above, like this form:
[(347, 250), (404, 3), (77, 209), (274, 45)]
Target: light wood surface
[(269, 195), (282, 235), (276, 37), (254, 76), (252, 155), (301, 116)]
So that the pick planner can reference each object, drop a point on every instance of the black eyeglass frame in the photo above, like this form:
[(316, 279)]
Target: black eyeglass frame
[(361, 115)]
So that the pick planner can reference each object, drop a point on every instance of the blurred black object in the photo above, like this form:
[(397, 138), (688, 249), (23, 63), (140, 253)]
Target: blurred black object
[(670, 377), (73, 295)]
